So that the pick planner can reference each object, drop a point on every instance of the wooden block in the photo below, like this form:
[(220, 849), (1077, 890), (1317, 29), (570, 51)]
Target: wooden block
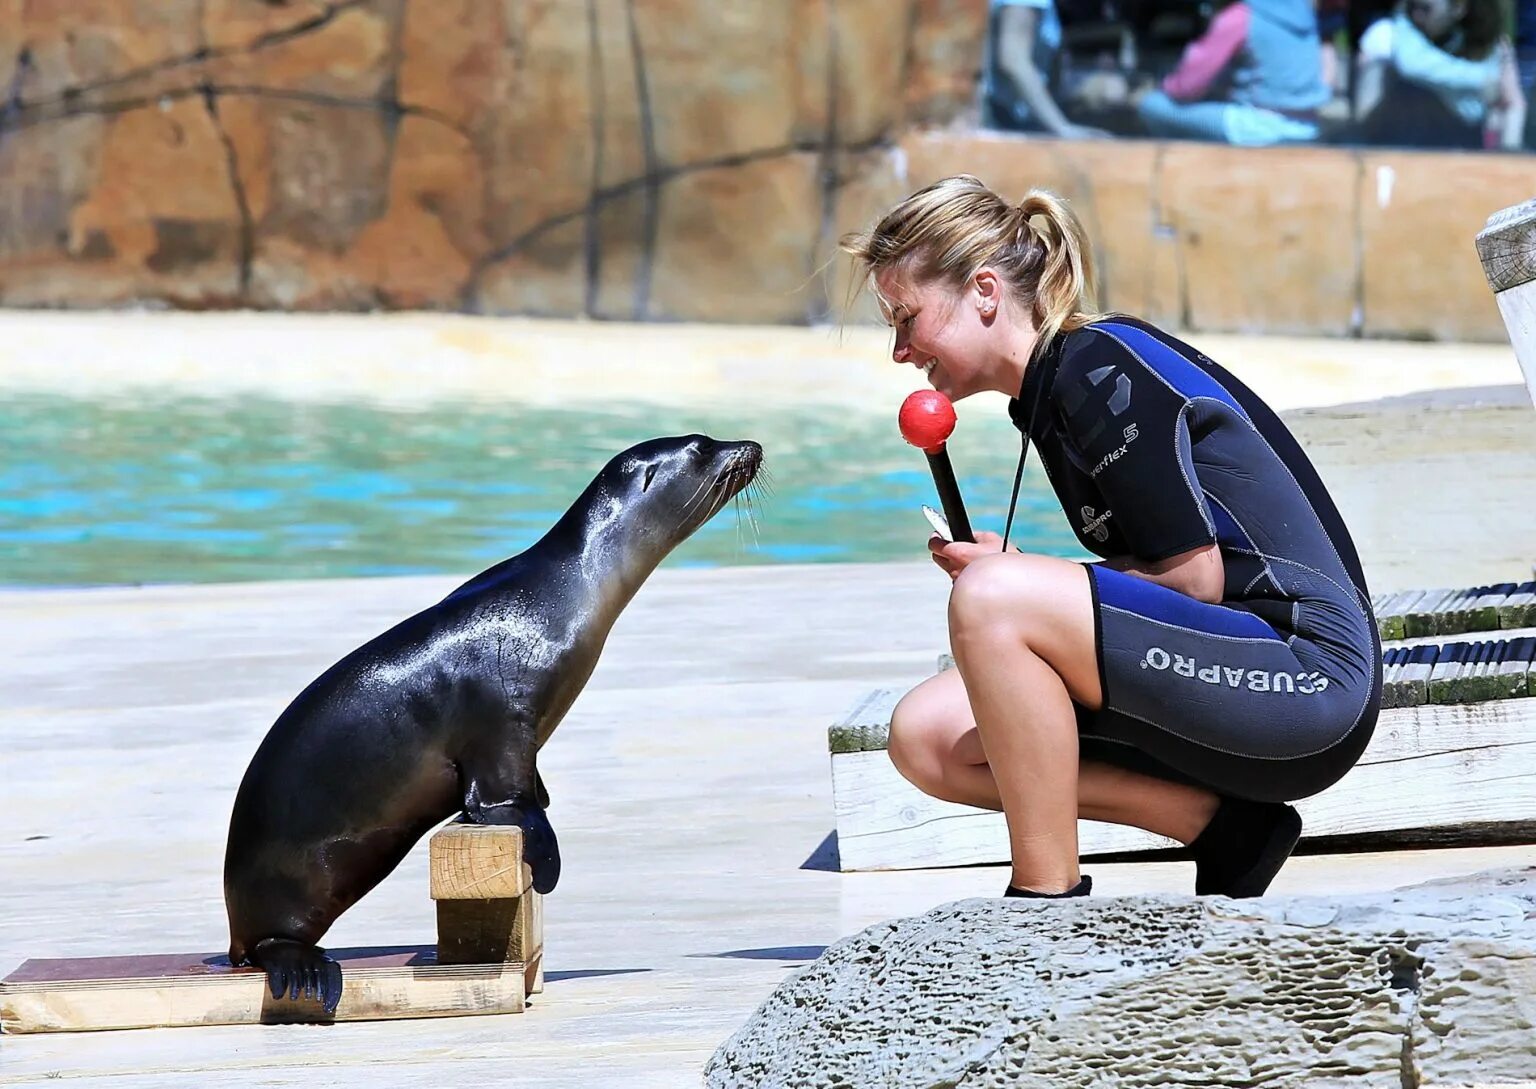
[(867, 725), (1507, 248), (478, 862), (1421, 619), (1519, 608), (509, 930), (1511, 674), (1451, 774), (1392, 609), (1448, 664), (175, 990)]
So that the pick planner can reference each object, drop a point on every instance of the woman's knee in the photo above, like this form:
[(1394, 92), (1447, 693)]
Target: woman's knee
[(921, 733), (996, 591)]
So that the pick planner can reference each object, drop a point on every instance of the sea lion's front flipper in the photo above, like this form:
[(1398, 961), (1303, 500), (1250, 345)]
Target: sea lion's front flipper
[(509, 792), (297, 969)]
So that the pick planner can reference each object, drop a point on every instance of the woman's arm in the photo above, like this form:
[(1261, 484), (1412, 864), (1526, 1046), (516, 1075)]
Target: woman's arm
[(1208, 56), (1421, 61), (1198, 573), (1017, 25), (1370, 81), (1508, 116)]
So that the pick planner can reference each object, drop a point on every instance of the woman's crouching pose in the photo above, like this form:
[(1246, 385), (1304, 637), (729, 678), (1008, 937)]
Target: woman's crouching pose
[(1219, 661)]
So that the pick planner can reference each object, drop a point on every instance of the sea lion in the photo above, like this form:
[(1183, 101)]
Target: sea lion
[(445, 713)]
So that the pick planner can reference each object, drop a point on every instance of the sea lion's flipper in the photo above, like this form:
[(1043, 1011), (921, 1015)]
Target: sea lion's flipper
[(540, 850), (503, 787), (299, 970)]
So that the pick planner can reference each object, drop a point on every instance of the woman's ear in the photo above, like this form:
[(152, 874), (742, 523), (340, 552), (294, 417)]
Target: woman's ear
[(987, 290)]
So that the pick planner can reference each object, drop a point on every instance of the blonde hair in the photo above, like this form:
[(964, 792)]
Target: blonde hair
[(946, 231)]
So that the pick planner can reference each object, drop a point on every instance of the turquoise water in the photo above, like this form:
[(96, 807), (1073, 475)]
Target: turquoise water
[(215, 490)]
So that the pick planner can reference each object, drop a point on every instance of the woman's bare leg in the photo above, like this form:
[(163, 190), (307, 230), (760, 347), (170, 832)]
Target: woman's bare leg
[(936, 746), (1022, 632)]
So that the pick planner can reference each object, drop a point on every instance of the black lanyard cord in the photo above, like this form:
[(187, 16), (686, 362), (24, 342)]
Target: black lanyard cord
[(1018, 477)]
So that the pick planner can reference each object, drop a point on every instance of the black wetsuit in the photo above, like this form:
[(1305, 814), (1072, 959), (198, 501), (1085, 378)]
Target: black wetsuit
[(1154, 450)]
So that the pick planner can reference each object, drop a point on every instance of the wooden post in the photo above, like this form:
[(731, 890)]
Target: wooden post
[(487, 911), (1507, 247)]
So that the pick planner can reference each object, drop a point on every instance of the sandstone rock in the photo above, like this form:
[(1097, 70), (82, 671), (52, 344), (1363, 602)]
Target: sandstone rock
[(49, 169), (314, 176), (348, 55), (737, 243), (1296, 267), (453, 58), (870, 42), (87, 42), (723, 80), (150, 212), (676, 159), (944, 60), (420, 252), (868, 186), (1418, 214), (240, 24), (544, 276), (624, 247), (535, 138), (1431, 985)]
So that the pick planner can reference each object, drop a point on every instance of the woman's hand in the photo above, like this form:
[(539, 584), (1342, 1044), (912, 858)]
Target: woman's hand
[(954, 556)]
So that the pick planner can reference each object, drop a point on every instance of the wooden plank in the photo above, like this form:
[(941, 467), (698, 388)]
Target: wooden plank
[(1435, 769), (478, 862), (170, 991), (1441, 640)]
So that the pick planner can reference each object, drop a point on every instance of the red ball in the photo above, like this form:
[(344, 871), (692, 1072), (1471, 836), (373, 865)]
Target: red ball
[(927, 419)]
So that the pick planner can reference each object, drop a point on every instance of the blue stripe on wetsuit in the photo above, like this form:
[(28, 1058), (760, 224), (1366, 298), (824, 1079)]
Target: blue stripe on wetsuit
[(1228, 532), (1175, 369), (1133, 595)]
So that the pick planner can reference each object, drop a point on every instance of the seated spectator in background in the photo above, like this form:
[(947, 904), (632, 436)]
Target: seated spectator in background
[(1332, 22), (1525, 62), (1440, 73), (1025, 38), (1254, 78)]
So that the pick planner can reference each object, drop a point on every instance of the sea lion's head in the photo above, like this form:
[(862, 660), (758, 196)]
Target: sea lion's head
[(675, 485)]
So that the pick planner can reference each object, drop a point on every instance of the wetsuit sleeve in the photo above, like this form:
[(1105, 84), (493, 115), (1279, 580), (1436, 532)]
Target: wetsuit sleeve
[(1128, 430)]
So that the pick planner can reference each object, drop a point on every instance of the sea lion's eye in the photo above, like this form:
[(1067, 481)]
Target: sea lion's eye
[(650, 475)]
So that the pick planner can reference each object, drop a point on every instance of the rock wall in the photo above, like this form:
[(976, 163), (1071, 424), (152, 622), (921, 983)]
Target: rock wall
[(1428, 986), (673, 160)]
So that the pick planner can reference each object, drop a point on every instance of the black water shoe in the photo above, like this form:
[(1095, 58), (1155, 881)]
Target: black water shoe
[(1243, 847), (1082, 888)]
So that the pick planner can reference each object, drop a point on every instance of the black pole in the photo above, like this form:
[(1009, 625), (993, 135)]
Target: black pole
[(949, 495)]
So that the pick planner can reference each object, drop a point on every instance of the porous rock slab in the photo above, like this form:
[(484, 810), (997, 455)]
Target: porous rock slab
[(1433, 985)]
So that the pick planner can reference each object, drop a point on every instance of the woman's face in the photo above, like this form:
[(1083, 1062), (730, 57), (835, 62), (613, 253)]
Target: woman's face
[(947, 334), (1437, 18)]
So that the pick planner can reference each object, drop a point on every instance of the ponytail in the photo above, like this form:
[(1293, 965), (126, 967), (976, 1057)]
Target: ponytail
[(1065, 280)]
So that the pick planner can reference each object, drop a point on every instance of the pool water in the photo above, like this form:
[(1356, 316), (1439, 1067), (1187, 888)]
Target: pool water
[(217, 490)]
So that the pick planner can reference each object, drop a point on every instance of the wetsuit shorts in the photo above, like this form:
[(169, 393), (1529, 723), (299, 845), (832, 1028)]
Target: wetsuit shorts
[(1213, 695)]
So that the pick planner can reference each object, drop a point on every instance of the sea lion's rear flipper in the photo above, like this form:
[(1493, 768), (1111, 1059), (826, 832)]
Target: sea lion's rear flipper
[(299, 970)]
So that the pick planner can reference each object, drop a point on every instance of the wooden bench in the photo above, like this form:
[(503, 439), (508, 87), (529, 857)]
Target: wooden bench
[(1452, 761), (488, 958)]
